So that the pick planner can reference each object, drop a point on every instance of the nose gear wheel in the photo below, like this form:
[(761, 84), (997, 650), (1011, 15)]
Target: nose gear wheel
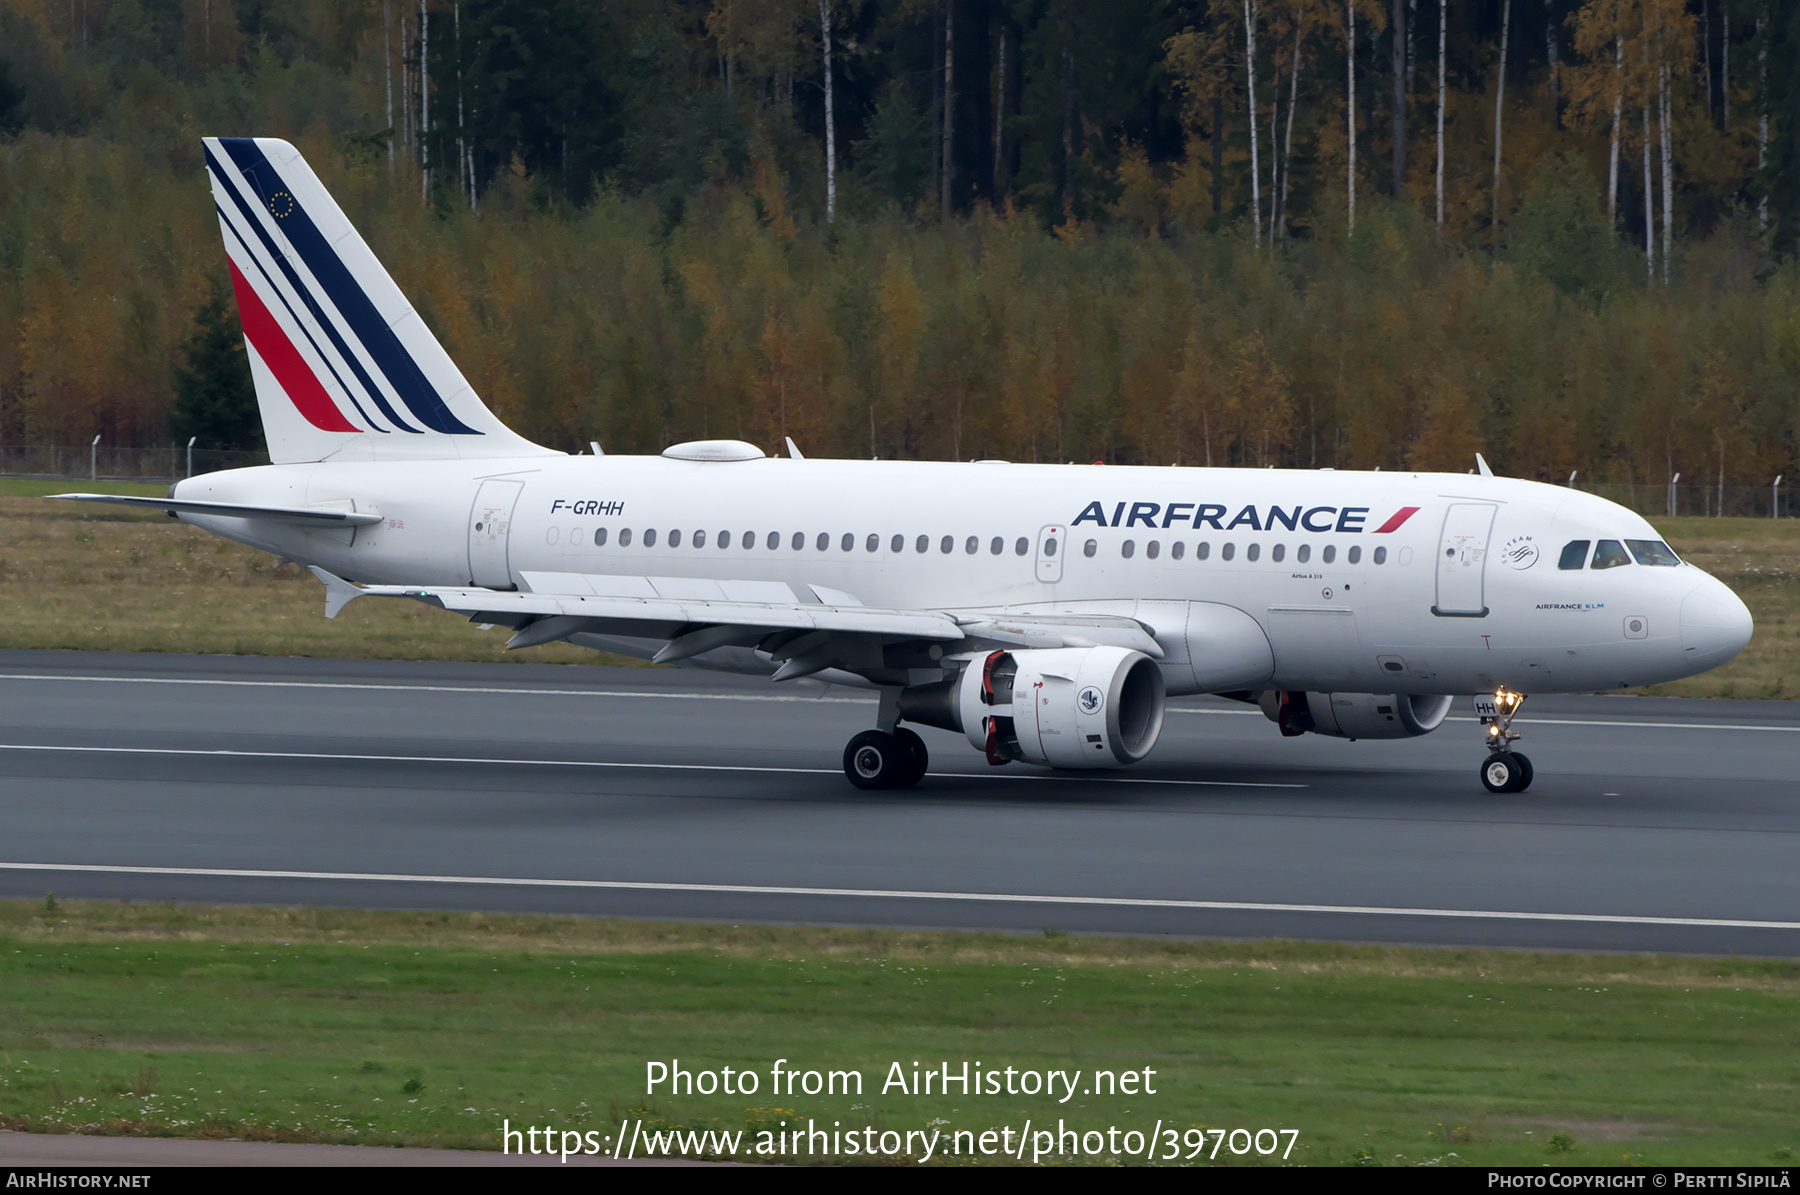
[(1504, 770)]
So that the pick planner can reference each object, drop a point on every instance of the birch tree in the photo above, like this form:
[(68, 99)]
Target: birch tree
[(1397, 28), (1499, 109), (1443, 23), (831, 135), (1255, 169)]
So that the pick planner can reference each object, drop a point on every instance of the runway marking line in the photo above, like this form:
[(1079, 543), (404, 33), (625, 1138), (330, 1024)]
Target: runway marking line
[(692, 696), (380, 688), (1227, 906), (224, 753)]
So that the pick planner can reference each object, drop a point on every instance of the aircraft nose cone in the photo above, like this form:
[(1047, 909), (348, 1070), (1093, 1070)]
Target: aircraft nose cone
[(1715, 625)]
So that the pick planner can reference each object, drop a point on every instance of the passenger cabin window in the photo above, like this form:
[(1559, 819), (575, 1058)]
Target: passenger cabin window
[(1380, 555), (1227, 551), (1153, 549), (997, 547), (1050, 547), (1329, 554), (799, 541), (1202, 550), (1177, 550), (599, 537), (1610, 553), (1128, 549), (699, 539), (1653, 551), (749, 540), (824, 540), (1090, 547), (674, 539), (724, 539), (972, 545), (923, 544), (898, 544), (1252, 552), (874, 542), (1021, 547), (849, 543), (1277, 552), (650, 538), (625, 538), (774, 540), (947, 545), (1574, 555)]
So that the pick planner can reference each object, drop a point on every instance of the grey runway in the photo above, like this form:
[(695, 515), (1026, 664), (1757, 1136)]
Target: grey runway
[(1653, 824)]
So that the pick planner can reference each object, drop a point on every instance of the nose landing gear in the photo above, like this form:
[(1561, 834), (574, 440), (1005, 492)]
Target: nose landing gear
[(1504, 770)]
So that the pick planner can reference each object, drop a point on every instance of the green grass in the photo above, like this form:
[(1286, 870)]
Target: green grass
[(430, 1029), (28, 487)]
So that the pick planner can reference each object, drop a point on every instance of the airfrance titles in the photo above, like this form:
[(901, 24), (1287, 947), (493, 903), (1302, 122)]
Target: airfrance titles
[(1347, 520)]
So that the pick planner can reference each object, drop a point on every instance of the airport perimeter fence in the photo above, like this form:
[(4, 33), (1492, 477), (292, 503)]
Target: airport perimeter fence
[(101, 462)]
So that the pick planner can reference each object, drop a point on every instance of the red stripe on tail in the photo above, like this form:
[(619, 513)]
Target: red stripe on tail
[(284, 360), (1400, 516)]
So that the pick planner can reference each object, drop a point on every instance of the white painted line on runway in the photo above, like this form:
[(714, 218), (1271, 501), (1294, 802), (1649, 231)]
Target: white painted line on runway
[(1217, 906), (1530, 722), (308, 684), (686, 695), (220, 753)]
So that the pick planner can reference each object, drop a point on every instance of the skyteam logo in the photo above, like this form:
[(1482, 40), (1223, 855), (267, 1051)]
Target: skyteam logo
[(1348, 520), (1521, 551), (307, 315)]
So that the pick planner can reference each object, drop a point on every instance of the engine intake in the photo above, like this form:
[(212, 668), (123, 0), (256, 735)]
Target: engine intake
[(1355, 715)]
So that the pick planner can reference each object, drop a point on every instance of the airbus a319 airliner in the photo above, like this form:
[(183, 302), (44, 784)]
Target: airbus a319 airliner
[(1044, 611)]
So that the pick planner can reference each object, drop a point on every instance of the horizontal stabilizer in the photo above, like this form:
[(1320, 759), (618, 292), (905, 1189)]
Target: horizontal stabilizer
[(280, 514)]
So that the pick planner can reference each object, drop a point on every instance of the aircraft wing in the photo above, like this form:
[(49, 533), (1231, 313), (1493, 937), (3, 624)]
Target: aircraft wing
[(698, 615), (320, 516)]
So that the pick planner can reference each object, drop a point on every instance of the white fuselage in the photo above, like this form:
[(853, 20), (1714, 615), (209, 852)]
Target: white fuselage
[(1463, 595)]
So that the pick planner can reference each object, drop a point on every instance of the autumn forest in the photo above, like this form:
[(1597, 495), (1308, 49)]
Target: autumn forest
[(1239, 232)]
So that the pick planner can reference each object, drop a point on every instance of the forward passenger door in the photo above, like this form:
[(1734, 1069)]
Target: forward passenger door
[(1462, 560)]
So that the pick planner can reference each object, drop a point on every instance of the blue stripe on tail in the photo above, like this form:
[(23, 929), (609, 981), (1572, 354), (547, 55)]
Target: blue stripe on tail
[(383, 347), (325, 323)]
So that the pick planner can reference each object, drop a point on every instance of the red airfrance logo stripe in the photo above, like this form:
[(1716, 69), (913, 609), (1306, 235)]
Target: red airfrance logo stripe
[(1400, 516), (284, 360)]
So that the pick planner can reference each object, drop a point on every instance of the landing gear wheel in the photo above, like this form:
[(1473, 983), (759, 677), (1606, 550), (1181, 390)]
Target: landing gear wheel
[(1506, 772), (876, 759), (918, 759)]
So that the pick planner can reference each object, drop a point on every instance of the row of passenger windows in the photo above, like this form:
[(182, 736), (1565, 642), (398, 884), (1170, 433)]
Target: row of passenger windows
[(947, 545), (798, 541), (1252, 551), (1610, 553)]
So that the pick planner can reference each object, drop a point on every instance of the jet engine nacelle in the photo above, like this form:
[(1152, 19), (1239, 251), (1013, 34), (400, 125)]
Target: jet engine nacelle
[(1355, 715), (1069, 707)]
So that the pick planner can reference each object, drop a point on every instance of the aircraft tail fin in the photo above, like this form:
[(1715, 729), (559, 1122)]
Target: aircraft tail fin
[(344, 367)]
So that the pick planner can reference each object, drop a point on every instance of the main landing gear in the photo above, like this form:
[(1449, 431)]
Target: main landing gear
[(1505, 770), (878, 759)]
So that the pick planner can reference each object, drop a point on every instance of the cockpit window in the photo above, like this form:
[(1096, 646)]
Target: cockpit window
[(1610, 553), (1574, 554), (1653, 551)]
